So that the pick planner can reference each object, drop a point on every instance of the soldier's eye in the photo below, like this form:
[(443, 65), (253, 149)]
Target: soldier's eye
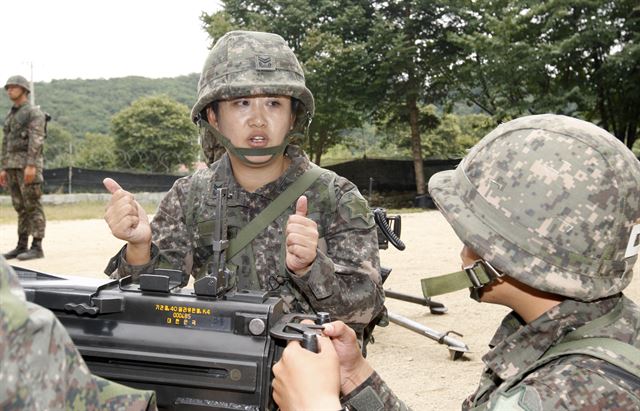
[(241, 102)]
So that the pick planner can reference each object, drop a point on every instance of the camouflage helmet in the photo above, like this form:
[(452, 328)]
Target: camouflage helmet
[(246, 63), (551, 201), (18, 81)]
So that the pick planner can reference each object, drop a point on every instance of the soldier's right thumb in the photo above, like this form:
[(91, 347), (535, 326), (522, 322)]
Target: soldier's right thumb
[(111, 185)]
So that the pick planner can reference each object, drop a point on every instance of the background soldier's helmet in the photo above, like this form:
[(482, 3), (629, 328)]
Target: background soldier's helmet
[(551, 201), (246, 63), (18, 81)]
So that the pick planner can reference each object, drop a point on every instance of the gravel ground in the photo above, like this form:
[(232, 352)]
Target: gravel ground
[(417, 368)]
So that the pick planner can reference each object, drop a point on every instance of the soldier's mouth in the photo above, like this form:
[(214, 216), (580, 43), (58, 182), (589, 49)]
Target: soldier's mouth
[(257, 141)]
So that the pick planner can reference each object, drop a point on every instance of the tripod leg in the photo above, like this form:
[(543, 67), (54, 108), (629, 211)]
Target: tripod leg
[(434, 306)]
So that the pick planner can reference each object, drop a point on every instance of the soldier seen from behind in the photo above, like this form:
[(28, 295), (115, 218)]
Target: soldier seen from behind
[(548, 210), (21, 166), (318, 250)]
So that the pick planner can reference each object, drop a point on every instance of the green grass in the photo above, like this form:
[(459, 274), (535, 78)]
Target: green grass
[(75, 211)]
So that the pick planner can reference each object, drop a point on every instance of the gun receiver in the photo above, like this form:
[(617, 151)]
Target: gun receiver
[(198, 352)]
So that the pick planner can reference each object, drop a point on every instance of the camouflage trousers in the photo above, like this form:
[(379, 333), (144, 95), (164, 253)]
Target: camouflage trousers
[(26, 201)]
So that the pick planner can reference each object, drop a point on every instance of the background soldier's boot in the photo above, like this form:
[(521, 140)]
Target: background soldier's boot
[(20, 248), (34, 252)]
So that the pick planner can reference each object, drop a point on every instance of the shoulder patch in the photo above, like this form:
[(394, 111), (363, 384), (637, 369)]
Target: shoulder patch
[(523, 398), (353, 208)]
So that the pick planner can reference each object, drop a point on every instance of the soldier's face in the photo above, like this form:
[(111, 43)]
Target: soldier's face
[(15, 92), (254, 122)]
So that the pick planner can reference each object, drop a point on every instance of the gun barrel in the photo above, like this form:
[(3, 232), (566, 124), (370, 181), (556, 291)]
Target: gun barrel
[(442, 338)]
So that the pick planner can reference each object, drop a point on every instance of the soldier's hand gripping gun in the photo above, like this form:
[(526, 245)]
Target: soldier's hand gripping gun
[(389, 228), (292, 328)]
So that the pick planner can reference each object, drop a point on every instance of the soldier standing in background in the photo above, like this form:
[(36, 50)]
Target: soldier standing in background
[(21, 167)]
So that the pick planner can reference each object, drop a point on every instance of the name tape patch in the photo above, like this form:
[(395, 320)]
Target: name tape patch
[(633, 246)]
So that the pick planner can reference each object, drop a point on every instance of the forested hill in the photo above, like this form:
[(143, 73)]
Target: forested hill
[(82, 106)]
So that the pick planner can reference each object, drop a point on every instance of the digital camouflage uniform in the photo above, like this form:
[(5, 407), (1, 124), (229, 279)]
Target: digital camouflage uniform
[(41, 369), (24, 134), (344, 278), (22, 146), (569, 383), (555, 203)]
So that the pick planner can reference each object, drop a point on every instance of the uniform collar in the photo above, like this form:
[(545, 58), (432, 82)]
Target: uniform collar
[(299, 164), (19, 106), (517, 345)]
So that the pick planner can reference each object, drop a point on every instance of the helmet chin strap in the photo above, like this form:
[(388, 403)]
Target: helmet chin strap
[(243, 153), (474, 277)]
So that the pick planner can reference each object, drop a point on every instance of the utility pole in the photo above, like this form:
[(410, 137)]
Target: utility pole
[(70, 166), (32, 95)]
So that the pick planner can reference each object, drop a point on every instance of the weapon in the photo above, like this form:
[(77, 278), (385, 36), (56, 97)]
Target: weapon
[(290, 328), (218, 279), (206, 348), (389, 228), (195, 351)]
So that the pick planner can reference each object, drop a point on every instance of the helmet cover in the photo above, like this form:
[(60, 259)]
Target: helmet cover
[(551, 201), (249, 63), (18, 81)]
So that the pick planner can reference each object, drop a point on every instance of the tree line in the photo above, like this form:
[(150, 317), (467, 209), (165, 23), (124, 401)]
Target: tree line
[(387, 61), (399, 78)]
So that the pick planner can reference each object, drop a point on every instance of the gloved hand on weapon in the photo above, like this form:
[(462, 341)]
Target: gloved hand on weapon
[(129, 222), (310, 381)]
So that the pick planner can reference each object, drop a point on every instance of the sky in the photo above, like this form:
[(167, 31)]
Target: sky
[(88, 39)]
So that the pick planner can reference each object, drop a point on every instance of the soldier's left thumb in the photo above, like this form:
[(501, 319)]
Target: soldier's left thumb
[(301, 206)]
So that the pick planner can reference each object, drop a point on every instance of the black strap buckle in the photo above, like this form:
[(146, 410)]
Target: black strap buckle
[(480, 270)]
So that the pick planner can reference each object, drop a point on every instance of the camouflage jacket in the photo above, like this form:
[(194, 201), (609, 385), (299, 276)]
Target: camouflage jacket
[(572, 382), (344, 279), (23, 138), (41, 369)]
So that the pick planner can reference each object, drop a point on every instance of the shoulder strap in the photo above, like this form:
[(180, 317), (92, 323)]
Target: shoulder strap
[(199, 181), (599, 347), (273, 210), (602, 348)]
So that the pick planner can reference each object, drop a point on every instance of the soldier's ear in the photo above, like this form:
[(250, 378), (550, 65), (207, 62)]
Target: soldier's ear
[(211, 117), (295, 104)]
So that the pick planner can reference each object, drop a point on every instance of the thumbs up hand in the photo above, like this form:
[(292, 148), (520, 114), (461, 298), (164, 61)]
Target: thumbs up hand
[(129, 222), (301, 239)]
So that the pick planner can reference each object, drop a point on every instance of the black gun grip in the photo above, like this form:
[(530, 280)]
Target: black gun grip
[(290, 328)]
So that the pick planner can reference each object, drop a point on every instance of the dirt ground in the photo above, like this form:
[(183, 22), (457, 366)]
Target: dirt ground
[(417, 368)]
